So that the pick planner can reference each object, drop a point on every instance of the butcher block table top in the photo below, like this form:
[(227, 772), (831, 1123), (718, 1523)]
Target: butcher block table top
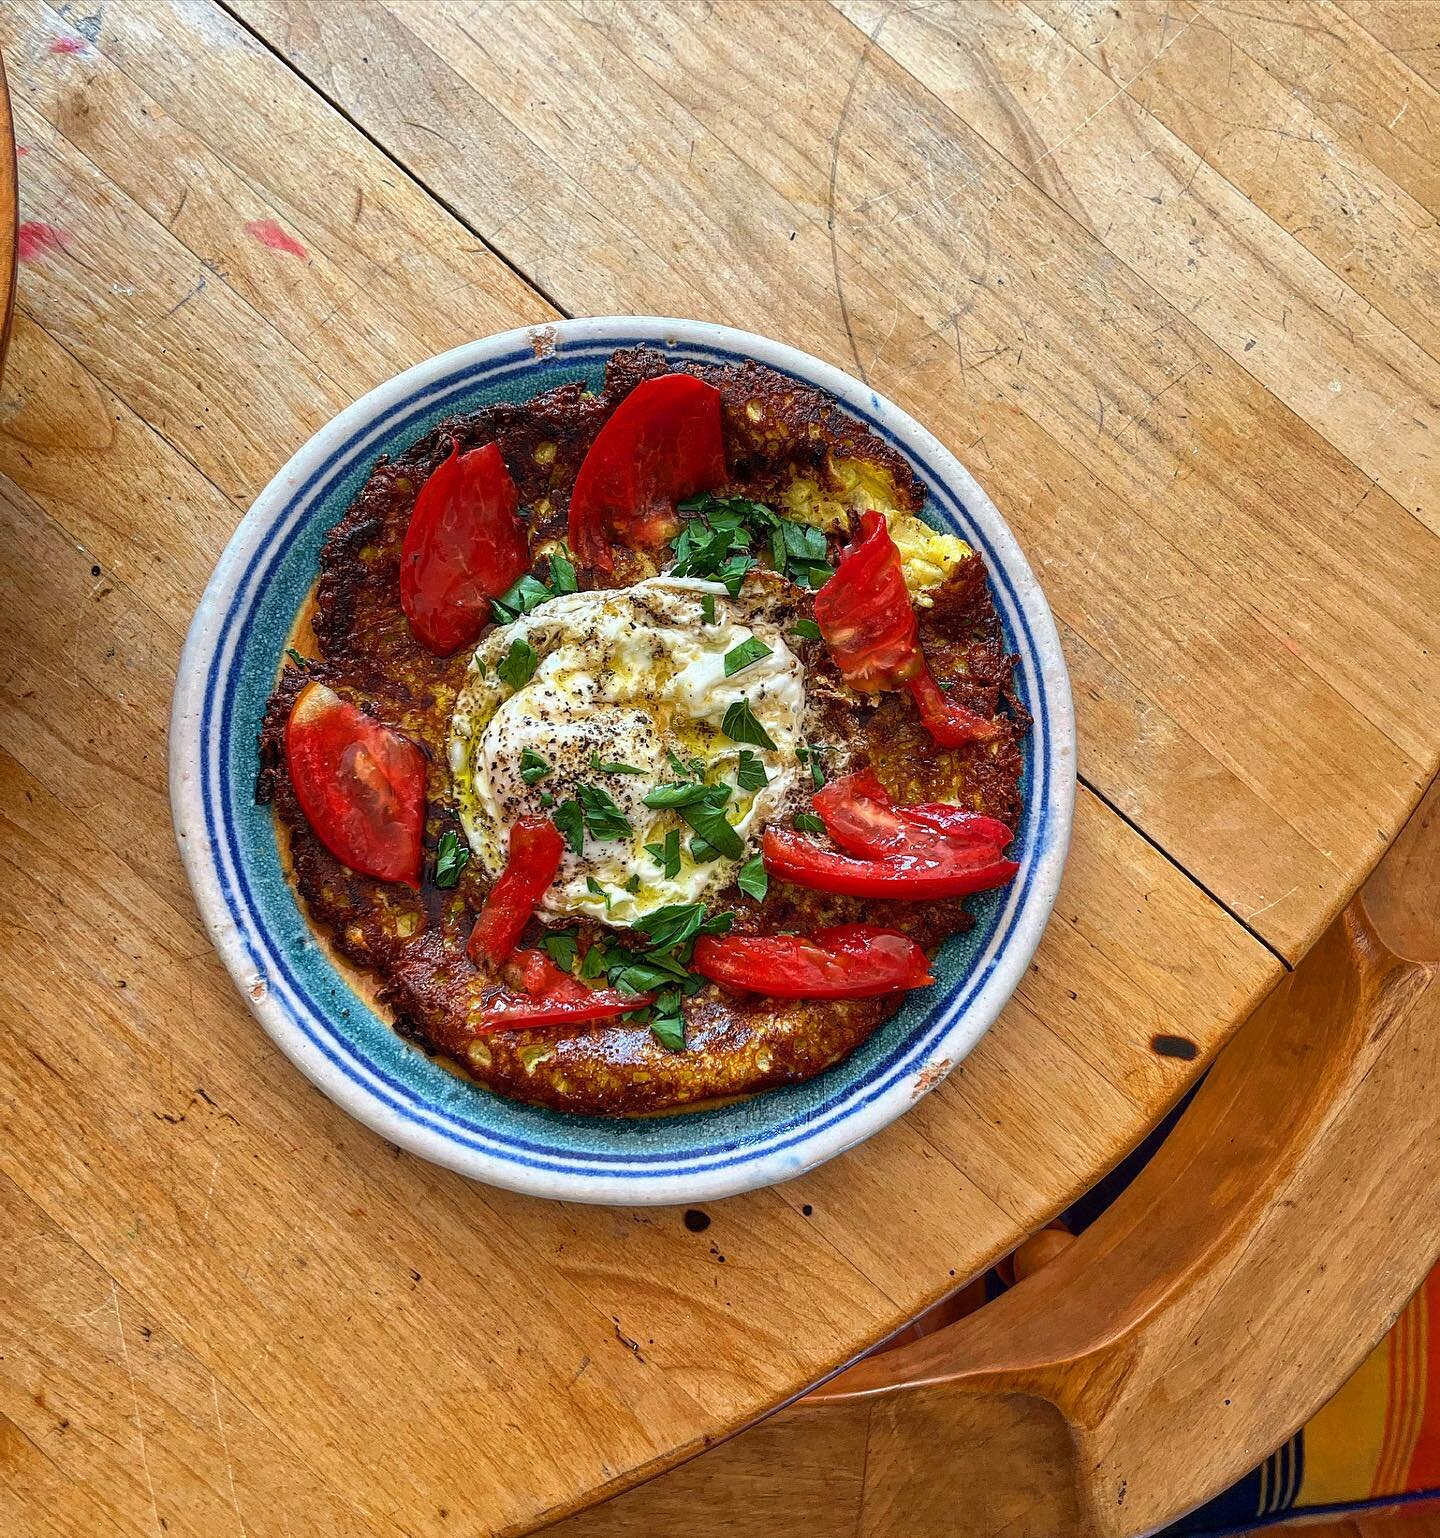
[(1165, 277)]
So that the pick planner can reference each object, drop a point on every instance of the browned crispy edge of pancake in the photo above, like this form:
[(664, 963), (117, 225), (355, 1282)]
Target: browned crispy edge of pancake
[(413, 944)]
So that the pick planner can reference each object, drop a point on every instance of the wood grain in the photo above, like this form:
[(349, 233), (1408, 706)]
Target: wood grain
[(902, 231), (1185, 1334), (384, 1347)]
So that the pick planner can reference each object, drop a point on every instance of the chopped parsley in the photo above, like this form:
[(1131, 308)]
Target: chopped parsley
[(721, 536), (707, 609), (451, 858), (603, 817), (602, 766), (686, 793), (813, 757), (738, 658), (569, 817), (295, 656), (562, 572), (808, 822), (694, 770), (596, 890), (561, 948), (675, 923), (751, 878), (519, 664), (806, 629), (742, 725), (709, 821), (750, 774), (667, 855), (667, 1023), (633, 884), (520, 598), (546, 800), (534, 768)]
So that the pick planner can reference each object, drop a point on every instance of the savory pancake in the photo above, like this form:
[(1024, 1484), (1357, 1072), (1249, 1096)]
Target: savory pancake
[(788, 447)]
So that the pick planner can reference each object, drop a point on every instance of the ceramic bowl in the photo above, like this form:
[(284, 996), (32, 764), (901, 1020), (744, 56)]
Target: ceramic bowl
[(231, 855)]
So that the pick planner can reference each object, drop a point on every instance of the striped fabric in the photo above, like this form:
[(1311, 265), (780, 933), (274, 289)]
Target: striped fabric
[(1376, 1441)]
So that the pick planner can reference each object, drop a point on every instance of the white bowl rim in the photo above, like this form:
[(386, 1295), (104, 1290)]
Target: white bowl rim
[(620, 1187)]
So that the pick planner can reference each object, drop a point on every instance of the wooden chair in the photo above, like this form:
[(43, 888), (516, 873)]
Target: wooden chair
[(1217, 1304)]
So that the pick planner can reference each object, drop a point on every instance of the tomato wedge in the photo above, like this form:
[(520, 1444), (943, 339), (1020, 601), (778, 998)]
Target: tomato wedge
[(860, 816), (662, 444), (945, 870), (551, 997), (535, 852), (846, 961), (465, 545), (360, 784), (868, 622)]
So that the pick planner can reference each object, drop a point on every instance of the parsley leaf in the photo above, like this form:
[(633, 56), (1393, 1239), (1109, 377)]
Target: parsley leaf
[(295, 656), (546, 800), (569, 817), (595, 961), (451, 858), (633, 884), (814, 756), (806, 629), (667, 1024), (601, 766), (519, 664), (742, 725), (738, 658), (687, 793), (533, 768), (562, 572), (750, 775), (596, 890), (808, 822), (752, 879), (708, 820), (707, 609), (603, 817), (561, 948), (671, 925), (520, 598), (722, 534), (667, 855)]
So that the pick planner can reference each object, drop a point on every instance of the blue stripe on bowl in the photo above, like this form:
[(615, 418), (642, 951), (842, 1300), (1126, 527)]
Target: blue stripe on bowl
[(478, 1125)]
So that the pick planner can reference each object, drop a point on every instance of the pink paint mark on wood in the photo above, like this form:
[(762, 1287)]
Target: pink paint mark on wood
[(35, 237), (269, 233), (67, 45)]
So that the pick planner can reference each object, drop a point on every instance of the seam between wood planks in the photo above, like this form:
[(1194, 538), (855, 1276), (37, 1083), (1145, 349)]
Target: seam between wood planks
[(1379, 41), (378, 144), (1126, 88), (525, 277)]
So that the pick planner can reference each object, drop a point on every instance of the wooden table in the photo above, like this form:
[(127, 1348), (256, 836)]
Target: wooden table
[(1166, 277)]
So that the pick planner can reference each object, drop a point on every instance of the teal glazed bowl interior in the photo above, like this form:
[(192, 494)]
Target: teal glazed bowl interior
[(232, 857)]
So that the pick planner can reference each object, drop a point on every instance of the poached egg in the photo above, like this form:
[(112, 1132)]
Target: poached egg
[(628, 692)]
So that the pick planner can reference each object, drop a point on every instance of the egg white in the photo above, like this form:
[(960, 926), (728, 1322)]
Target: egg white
[(624, 675)]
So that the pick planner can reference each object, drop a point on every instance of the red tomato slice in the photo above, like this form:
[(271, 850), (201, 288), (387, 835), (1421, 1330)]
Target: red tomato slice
[(846, 961), (464, 547), (946, 870), (661, 445), (865, 614), (551, 997), (947, 720), (360, 784), (535, 852), (859, 815), (868, 622)]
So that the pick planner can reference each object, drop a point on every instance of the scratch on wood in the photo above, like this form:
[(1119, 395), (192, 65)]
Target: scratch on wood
[(135, 1403), (871, 39), (229, 1462)]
